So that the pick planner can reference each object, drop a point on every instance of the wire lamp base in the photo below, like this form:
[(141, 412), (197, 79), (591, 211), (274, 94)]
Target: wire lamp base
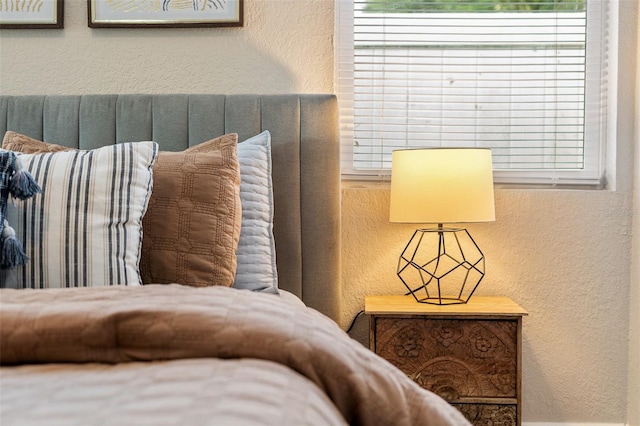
[(441, 266)]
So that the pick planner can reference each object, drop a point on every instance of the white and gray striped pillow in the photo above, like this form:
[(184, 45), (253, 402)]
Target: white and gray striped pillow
[(85, 228)]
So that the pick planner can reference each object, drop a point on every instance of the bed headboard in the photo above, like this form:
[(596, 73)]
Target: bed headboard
[(305, 156)]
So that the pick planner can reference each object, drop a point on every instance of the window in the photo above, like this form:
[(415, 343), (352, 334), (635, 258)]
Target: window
[(526, 78)]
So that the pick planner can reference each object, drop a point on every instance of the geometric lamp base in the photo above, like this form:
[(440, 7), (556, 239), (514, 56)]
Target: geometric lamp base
[(441, 266)]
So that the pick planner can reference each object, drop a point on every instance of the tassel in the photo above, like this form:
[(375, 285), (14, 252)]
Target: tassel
[(23, 185), (12, 251)]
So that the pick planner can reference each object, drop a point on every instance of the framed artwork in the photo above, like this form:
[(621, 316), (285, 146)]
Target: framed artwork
[(165, 13), (31, 14)]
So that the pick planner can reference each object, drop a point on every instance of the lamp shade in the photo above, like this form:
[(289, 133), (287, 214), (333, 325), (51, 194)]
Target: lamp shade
[(442, 185)]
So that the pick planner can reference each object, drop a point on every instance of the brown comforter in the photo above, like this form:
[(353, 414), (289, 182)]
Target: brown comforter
[(158, 328)]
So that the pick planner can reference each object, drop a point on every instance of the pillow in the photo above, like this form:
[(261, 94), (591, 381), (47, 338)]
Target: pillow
[(256, 253), (24, 144), (85, 228), (192, 225), (192, 228)]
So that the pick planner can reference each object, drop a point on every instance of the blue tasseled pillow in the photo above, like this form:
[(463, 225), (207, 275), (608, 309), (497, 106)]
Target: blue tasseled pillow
[(18, 183)]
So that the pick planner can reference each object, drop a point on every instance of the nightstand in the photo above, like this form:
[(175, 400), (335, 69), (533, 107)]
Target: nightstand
[(469, 354)]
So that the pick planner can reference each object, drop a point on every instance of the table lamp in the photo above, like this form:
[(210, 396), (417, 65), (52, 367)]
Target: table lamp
[(441, 266)]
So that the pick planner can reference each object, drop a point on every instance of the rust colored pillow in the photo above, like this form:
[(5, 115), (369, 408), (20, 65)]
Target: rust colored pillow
[(192, 225)]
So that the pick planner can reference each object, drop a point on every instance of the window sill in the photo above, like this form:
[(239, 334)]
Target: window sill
[(383, 182)]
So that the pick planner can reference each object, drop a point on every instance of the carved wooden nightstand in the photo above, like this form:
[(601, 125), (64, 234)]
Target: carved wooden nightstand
[(469, 354)]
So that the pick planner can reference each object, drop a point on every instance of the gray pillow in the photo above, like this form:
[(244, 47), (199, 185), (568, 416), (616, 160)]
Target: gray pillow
[(256, 253)]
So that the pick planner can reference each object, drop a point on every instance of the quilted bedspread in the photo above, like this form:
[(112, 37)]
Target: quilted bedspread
[(169, 354)]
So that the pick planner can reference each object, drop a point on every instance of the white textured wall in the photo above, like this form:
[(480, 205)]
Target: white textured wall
[(284, 47), (563, 255)]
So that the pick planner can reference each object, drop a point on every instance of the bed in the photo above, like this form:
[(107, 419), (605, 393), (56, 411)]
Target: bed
[(220, 214)]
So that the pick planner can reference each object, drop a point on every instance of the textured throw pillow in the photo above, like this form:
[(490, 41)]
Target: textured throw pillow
[(17, 142), (192, 228), (85, 228), (256, 249), (192, 225)]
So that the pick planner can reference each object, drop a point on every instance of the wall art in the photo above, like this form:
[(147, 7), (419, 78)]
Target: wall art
[(31, 14), (165, 13)]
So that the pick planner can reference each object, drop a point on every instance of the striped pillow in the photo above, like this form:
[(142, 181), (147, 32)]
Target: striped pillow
[(85, 228)]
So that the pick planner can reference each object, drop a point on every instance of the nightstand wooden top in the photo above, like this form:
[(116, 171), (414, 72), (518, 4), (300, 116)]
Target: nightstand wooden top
[(407, 305)]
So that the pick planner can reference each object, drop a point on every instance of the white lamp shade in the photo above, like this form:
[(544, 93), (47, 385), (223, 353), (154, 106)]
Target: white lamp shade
[(442, 185)]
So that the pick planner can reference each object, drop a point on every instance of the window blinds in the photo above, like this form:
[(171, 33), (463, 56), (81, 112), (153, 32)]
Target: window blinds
[(529, 84)]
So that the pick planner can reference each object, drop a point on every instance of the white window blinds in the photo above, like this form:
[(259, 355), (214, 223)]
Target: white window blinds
[(526, 78)]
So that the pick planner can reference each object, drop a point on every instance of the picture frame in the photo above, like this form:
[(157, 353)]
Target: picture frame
[(32, 15), (165, 13)]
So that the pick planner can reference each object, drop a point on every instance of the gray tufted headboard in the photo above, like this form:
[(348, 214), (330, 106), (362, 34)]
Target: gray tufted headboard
[(305, 152)]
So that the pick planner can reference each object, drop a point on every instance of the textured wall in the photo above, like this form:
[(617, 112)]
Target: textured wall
[(563, 255), (285, 46)]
